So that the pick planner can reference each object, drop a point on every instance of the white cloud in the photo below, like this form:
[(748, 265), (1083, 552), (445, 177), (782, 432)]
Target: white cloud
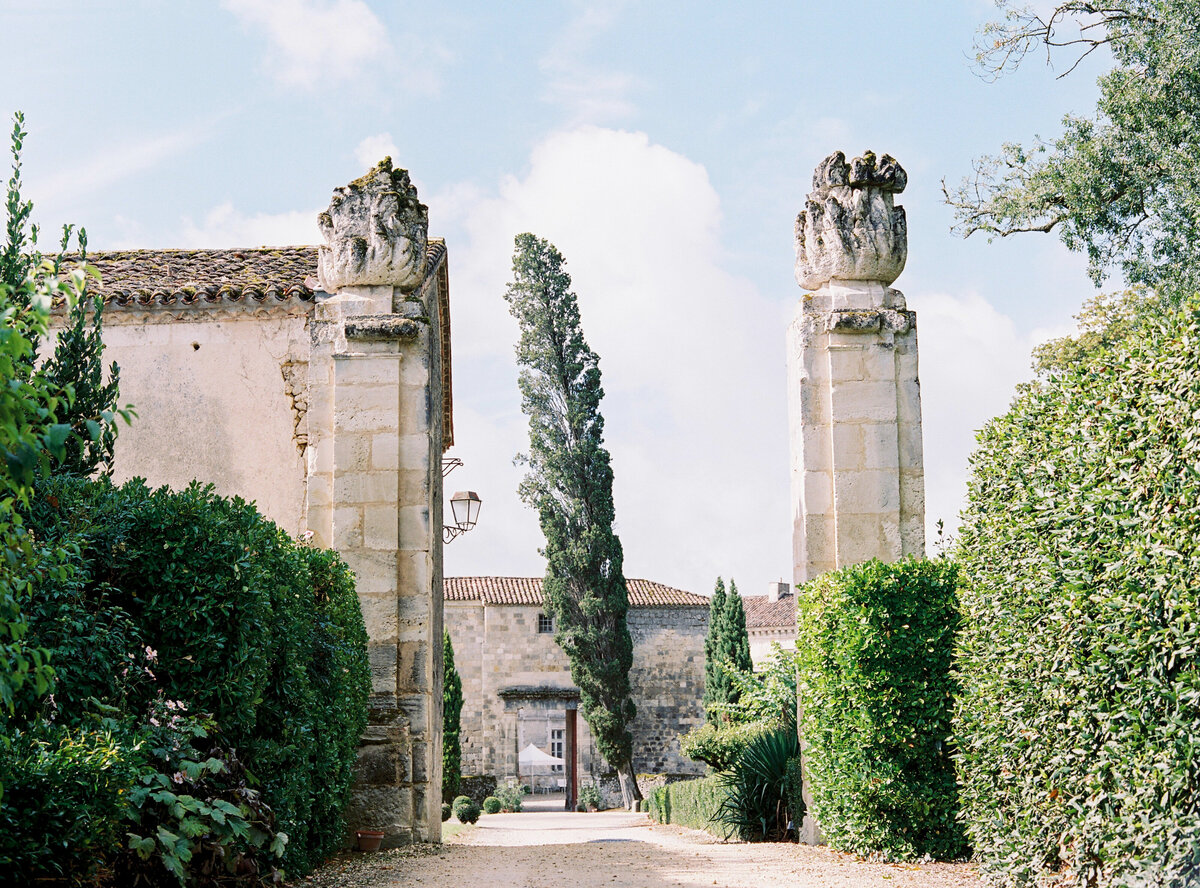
[(692, 358), (972, 358), (373, 149), (312, 40), (225, 226), (693, 362), (119, 161), (589, 93)]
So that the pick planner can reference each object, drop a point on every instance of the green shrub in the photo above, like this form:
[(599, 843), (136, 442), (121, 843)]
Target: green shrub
[(446, 812), (195, 598), (491, 805), (875, 644), (1080, 545), (465, 810), (766, 695), (793, 790), (691, 803), (589, 797), (66, 797), (510, 796), (718, 746)]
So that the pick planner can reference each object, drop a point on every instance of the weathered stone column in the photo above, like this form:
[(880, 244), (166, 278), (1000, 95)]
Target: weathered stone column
[(858, 487), (375, 483), (854, 397)]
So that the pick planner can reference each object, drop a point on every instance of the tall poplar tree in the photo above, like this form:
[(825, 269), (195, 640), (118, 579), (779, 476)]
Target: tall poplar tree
[(569, 483), (452, 703)]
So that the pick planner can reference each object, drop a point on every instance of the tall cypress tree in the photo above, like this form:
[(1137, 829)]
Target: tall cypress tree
[(569, 483), (726, 646), (452, 703), (716, 682), (738, 639)]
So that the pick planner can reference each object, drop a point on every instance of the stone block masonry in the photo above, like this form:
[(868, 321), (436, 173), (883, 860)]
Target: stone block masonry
[(857, 472), (857, 469), (517, 681), (375, 447)]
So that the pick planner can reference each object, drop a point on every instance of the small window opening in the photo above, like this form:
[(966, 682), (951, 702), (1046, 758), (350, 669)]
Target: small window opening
[(545, 624), (557, 740)]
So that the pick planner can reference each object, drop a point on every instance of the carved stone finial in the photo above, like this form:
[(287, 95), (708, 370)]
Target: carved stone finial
[(849, 229), (375, 233)]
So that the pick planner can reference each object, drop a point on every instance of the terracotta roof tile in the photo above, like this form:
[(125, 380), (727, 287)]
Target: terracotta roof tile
[(528, 590), (761, 613)]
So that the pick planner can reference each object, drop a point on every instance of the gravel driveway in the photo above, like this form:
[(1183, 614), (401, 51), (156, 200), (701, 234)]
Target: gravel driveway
[(559, 850)]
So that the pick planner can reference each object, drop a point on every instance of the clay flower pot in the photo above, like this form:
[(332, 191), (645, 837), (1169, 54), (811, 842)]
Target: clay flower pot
[(369, 839)]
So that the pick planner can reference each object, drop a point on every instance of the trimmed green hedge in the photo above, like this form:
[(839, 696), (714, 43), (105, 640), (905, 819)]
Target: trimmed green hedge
[(691, 803), (191, 597), (1079, 719), (874, 644)]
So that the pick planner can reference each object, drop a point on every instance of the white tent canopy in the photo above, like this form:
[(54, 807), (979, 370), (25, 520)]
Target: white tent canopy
[(534, 757)]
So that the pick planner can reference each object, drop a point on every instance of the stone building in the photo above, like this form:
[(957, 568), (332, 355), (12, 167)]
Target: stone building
[(316, 382), (770, 619), (517, 681)]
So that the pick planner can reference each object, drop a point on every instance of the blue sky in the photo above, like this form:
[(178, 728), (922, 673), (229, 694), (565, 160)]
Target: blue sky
[(665, 147)]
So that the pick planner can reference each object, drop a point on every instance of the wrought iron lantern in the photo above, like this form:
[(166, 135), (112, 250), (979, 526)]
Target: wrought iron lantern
[(465, 507)]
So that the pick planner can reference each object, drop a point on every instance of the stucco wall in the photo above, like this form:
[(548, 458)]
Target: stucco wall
[(762, 639), (218, 401)]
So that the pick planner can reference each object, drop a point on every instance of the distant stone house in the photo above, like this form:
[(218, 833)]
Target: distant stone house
[(517, 681), (770, 618)]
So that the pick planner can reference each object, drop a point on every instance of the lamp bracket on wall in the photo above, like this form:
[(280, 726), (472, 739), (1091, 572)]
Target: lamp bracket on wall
[(464, 505)]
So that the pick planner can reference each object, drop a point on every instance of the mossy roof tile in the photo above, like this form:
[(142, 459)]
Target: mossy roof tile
[(170, 278)]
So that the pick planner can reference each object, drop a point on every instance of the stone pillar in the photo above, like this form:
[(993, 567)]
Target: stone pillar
[(375, 483), (857, 476)]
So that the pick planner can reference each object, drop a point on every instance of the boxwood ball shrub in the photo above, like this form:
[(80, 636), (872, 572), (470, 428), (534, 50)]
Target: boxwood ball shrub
[(446, 812), (465, 810), (875, 643), (192, 597), (1078, 720), (491, 805)]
